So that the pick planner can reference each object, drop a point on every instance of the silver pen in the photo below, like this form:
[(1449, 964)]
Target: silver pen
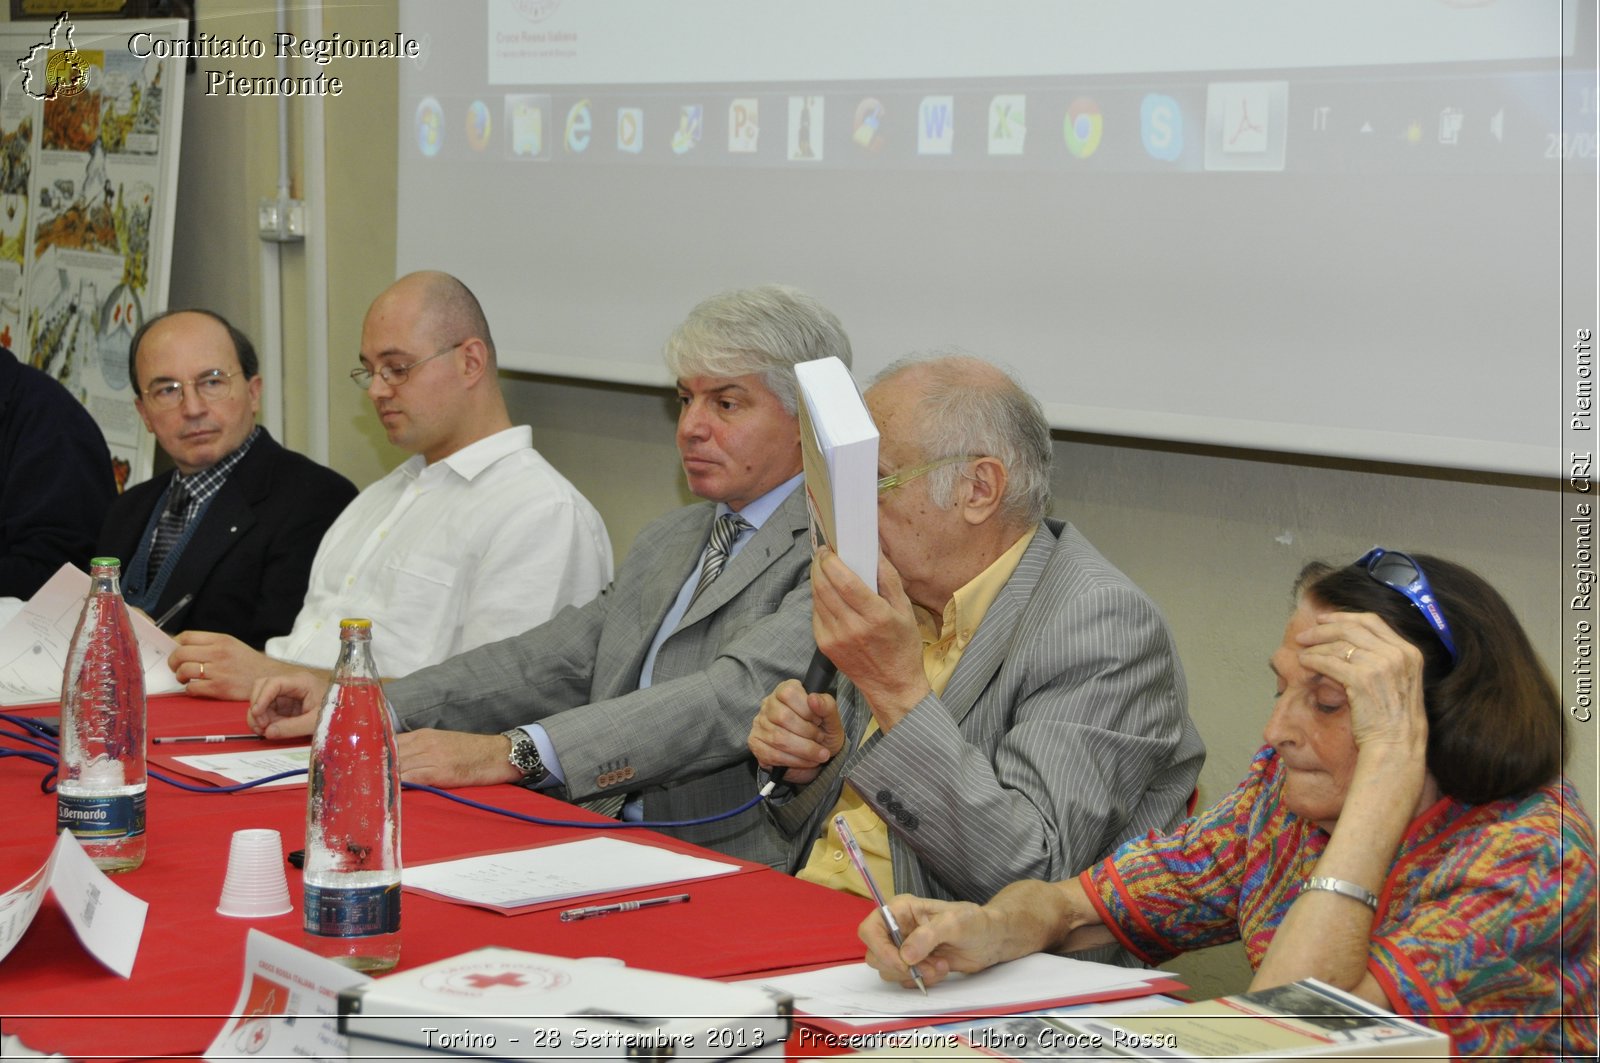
[(856, 858), (177, 607), (572, 914)]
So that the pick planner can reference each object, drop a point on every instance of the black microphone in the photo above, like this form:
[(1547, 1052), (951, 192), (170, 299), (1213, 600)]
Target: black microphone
[(819, 676)]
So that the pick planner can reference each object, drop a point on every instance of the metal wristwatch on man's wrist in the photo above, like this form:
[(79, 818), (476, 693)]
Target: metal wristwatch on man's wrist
[(525, 757)]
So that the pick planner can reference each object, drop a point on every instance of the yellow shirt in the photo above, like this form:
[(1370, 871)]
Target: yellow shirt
[(943, 641)]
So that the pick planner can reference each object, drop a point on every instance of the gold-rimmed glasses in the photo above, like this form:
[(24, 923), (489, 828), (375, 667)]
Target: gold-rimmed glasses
[(905, 476)]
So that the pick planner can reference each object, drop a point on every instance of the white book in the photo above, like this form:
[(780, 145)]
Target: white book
[(839, 446)]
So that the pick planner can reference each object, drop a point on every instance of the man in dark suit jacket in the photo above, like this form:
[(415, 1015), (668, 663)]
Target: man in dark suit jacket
[(55, 478), (646, 692), (225, 542)]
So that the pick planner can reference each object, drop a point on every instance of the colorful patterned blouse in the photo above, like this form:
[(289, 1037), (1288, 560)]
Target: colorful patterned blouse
[(1486, 925)]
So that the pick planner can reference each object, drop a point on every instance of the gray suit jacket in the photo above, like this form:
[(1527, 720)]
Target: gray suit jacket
[(681, 741), (1063, 731)]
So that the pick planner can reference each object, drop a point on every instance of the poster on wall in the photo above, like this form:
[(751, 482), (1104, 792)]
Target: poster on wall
[(89, 133)]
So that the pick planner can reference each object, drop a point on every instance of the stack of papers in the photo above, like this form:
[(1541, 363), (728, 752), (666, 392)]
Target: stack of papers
[(854, 997), (34, 644), (528, 879)]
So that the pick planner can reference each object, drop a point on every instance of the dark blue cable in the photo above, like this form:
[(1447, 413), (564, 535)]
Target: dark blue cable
[(40, 737)]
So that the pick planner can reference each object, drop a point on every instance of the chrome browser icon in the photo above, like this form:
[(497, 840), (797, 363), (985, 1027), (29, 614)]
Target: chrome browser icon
[(1082, 127)]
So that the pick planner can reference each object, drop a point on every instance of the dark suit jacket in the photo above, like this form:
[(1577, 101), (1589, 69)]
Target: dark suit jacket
[(55, 478), (249, 560)]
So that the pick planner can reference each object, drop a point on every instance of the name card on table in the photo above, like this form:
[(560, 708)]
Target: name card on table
[(288, 1006), (108, 920)]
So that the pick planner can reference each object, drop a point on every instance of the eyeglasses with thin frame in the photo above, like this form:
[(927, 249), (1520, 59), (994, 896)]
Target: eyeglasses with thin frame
[(1401, 572), (395, 375), (211, 386), (905, 476)]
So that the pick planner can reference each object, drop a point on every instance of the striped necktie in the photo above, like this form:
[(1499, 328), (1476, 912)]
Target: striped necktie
[(728, 528)]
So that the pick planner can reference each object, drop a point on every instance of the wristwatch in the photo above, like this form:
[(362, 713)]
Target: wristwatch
[(525, 758)]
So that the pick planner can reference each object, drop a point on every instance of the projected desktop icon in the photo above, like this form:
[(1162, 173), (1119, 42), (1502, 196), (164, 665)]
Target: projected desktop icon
[(1450, 121), (1161, 127), (866, 131), (630, 130), (580, 128), (936, 125), (805, 128), (691, 123), (1247, 125), (1082, 127), (744, 125), (429, 127), (479, 125), (525, 126), (1008, 124)]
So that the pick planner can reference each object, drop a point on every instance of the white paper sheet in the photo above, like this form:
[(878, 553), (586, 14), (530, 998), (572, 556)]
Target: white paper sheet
[(252, 764), (33, 646), (288, 1006), (108, 920), (556, 872), (855, 995)]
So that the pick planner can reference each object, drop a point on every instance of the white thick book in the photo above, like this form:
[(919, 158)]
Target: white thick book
[(505, 1003), (839, 447)]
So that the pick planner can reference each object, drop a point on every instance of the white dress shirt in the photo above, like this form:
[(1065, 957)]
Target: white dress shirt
[(476, 547)]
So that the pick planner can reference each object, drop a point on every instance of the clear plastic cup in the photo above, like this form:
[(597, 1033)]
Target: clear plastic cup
[(256, 885)]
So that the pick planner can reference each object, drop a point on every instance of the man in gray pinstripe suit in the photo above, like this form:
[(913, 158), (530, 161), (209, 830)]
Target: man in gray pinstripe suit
[(1011, 705), (647, 690)]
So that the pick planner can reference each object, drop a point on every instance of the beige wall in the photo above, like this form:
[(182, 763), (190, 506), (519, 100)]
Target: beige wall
[(1214, 535)]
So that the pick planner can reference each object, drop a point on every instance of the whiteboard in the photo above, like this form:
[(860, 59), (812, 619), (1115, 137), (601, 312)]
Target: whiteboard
[(1307, 226)]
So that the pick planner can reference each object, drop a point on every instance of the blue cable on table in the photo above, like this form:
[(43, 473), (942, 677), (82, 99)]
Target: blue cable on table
[(36, 735)]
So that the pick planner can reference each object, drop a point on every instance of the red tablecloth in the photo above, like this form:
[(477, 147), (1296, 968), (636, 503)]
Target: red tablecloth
[(55, 997)]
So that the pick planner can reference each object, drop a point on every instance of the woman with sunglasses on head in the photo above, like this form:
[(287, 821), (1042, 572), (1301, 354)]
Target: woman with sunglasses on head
[(1404, 834)]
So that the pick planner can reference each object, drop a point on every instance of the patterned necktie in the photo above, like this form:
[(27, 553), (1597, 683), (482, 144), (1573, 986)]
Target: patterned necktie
[(723, 533), (169, 527)]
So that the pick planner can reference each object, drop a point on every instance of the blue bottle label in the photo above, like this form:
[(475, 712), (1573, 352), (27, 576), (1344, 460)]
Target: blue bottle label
[(100, 819), (351, 912)]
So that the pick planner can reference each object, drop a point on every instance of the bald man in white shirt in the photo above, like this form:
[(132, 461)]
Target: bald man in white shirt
[(475, 538)]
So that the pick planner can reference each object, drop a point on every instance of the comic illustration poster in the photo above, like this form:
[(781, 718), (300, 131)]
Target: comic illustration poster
[(88, 177)]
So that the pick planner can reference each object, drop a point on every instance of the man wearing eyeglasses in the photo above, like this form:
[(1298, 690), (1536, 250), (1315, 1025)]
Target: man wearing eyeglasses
[(1010, 705), (225, 541), (473, 539), (638, 702)]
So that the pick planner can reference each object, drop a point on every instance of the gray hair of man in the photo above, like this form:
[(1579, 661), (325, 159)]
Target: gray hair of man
[(765, 330), (973, 406)]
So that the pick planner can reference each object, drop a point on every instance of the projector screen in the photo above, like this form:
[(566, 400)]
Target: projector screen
[(1321, 227)]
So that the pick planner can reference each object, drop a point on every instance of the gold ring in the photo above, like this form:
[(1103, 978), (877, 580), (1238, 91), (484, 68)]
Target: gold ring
[(1351, 652), (203, 668)]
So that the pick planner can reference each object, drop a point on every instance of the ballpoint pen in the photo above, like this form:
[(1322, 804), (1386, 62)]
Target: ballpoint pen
[(572, 914), (170, 739), (177, 607), (860, 861)]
